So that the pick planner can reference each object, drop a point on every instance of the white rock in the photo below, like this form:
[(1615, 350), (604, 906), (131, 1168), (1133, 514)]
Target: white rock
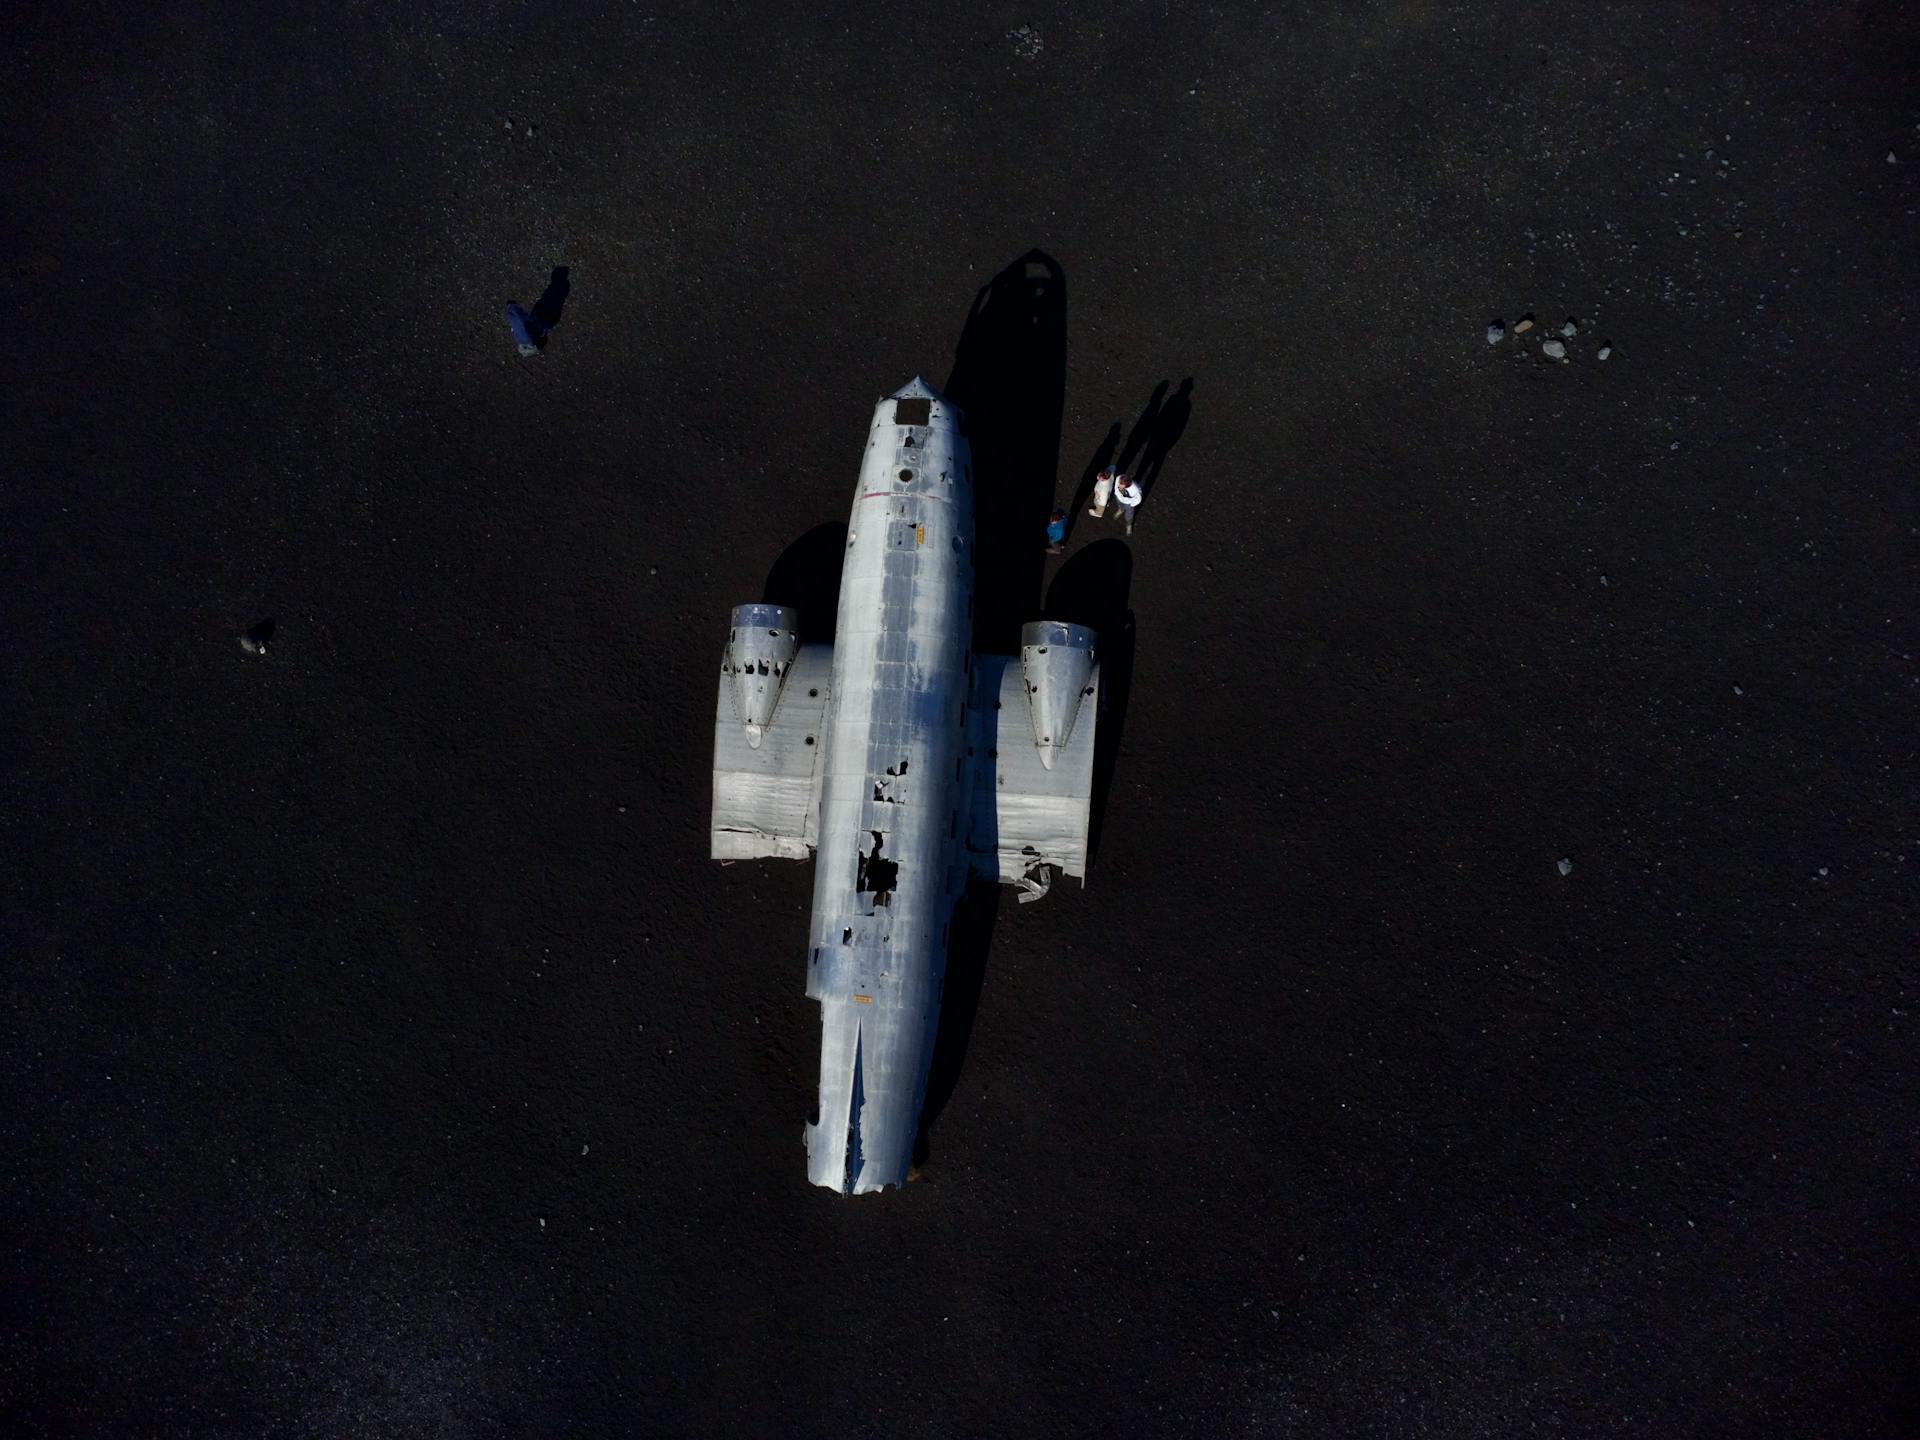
[(1565, 866), (1570, 329), (1553, 350), (1605, 351), (1496, 332)]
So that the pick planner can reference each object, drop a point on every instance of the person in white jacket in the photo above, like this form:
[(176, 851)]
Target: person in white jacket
[(1127, 491)]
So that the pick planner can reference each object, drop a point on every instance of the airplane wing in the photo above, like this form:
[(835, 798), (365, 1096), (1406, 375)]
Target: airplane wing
[(1026, 813), (766, 796)]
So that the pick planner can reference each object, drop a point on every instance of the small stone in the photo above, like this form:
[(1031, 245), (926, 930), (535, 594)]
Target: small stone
[(1496, 332), (1571, 328), (1525, 324), (510, 126), (1553, 350), (1892, 159), (1603, 580), (1564, 866), (1738, 691), (1026, 42), (1823, 871), (1605, 351)]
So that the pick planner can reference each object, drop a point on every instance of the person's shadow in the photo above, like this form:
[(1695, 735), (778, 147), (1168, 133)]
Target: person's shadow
[(1168, 426), (1142, 430), (1083, 492), (553, 300)]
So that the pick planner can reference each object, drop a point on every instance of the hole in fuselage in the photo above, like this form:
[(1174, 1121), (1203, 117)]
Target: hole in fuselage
[(877, 875)]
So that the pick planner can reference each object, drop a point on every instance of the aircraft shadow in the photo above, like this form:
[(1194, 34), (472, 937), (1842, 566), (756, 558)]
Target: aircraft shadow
[(1009, 376), (807, 577)]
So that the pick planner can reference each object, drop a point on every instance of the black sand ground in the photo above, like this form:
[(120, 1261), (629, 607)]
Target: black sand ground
[(384, 1058)]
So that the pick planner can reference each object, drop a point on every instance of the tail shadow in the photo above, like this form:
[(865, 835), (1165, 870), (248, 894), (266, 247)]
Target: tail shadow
[(1009, 376)]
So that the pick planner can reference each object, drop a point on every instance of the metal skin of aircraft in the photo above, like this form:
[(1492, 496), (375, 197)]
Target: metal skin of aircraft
[(905, 763)]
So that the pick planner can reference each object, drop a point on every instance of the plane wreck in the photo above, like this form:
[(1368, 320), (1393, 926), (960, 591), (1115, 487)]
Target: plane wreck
[(904, 763)]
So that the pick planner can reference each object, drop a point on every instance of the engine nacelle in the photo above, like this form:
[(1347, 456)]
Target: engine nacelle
[(760, 651), (1057, 661)]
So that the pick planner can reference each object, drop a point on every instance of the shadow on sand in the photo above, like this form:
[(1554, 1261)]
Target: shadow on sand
[(1009, 376), (807, 577), (552, 303), (1090, 589)]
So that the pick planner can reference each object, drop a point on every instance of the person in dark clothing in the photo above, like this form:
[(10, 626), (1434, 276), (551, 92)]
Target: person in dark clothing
[(528, 335), (530, 327)]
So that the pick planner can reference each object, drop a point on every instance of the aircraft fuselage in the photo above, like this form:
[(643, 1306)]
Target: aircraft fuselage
[(895, 793)]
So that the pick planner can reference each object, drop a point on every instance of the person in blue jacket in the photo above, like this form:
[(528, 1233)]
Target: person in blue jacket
[(528, 333)]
